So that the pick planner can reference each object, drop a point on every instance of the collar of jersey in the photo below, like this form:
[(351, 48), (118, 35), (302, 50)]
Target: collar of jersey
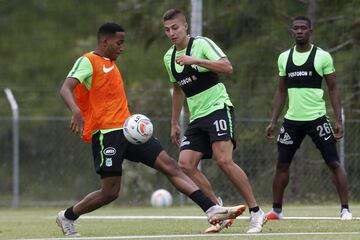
[(93, 52)]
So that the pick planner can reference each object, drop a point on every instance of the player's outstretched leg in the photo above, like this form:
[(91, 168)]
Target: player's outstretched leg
[(217, 214), (220, 226), (223, 225)]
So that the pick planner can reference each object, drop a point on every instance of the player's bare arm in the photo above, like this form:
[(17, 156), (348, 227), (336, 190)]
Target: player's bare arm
[(177, 103), (66, 92), (222, 65), (279, 102), (336, 103)]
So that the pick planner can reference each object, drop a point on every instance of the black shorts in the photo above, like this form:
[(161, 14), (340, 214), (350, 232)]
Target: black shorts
[(110, 150), (202, 132), (292, 134)]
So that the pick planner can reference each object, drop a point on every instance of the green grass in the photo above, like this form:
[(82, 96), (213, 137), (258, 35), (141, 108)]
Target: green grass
[(40, 223)]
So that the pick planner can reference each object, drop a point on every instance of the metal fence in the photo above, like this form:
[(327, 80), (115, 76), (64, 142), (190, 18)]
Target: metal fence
[(57, 167)]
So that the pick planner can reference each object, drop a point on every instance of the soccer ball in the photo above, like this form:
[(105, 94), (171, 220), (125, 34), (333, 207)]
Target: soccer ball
[(161, 198), (138, 129)]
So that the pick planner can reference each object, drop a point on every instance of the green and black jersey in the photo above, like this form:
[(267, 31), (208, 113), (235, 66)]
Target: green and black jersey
[(303, 73), (204, 93)]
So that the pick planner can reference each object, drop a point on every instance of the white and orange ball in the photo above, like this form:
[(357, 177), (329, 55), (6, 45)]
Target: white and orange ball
[(138, 129)]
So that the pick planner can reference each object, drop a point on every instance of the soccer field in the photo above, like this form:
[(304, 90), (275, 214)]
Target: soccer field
[(302, 222)]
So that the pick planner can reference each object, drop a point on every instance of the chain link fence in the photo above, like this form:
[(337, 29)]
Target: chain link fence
[(57, 168)]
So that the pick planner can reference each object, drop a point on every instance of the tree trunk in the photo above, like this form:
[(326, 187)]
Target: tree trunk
[(311, 12)]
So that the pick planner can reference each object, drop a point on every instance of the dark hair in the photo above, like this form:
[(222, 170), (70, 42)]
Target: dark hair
[(173, 13), (109, 29), (303, 18)]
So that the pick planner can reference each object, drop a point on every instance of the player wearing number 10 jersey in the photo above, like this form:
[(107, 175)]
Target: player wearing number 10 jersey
[(193, 65)]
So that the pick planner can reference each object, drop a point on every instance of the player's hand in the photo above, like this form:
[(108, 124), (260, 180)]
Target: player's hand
[(175, 135), (339, 132), (269, 131), (185, 60), (77, 122)]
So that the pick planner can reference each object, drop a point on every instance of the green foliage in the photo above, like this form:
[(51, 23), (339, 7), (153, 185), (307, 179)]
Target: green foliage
[(41, 39)]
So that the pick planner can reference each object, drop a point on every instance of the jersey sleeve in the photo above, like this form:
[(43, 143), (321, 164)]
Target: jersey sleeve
[(82, 70), (167, 62), (210, 50), (282, 64), (328, 64)]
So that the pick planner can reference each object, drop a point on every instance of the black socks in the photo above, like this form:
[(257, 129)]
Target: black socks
[(254, 209), (69, 214), (200, 199), (345, 206), (277, 207)]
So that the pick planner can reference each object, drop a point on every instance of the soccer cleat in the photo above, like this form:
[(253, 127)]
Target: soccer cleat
[(257, 220), (345, 214), (220, 226), (217, 214), (272, 215), (67, 226)]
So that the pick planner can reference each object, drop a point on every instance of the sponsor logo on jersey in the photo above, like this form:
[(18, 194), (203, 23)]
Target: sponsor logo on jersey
[(187, 80), (300, 74), (107, 69)]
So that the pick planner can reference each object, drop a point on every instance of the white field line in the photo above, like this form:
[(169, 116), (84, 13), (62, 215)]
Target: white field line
[(193, 218), (201, 236)]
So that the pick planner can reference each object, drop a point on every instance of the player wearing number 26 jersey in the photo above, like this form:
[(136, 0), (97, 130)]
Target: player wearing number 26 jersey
[(301, 72)]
